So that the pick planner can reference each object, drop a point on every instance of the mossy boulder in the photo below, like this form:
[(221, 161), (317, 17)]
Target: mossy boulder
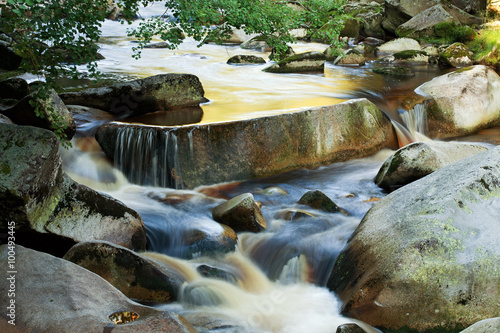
[(456, 55), (257, 43), (52, 113), (241, 213), (42, 200), (288, 53), (394, 71), (461, 102), (245, 60), (156, 93), (331, 53), (423, 24), (369, 17), (137, 277), (69, 298), (432, 243), (410, 57), (303, 62), (420, 159), (351, 57)]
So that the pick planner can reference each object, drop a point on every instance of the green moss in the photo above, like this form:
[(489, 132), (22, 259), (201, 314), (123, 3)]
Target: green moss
[(5, 168), (409, 54)]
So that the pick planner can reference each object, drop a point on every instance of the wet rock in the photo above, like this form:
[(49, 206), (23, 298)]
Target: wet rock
[(35, 192), (155, 93), (68, 298), (5, 120), (216, 273), (319, 200), (369, 15), (350, 328), (427, 244), (10, 60), (456, 55), (228, 152), (395, 71), (257, 43), (14, 88), (461, 102), (53, 113), (351, 28), (411, 57), (241, 213), (273, 191), (159, 45), (135, 276), (351, 57), (209, 242), (420, 159), (216, 323), (303, 62), (245, 59), (331, 53), (484, 326), (398, 45), (293, 214)]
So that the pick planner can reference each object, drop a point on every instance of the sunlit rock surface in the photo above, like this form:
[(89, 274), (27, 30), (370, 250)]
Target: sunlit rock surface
[(191, 156), (427, 256), (462, 102)]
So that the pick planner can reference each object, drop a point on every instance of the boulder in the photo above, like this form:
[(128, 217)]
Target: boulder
[(159, 45), (68, 298), (408, 57), (155, 93), (245, 60), (14, 88), (289, 52), (427, 257), (349, 328), (411, 8), (303, 62), (241, 213), (247, 149), (394, 71), (461, 102), (420, 159), (209, 242), (456, 55), (10, 59), (51, 114), (319, 200), (257, 43), (422, 25), (484, 326), (471, 6), (5, 120), (351, 57), (369, 16), (331, 53), (137, 277), (42, 200), (397, 45)]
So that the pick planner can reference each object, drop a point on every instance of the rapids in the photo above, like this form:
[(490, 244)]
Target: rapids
[(281, 273)]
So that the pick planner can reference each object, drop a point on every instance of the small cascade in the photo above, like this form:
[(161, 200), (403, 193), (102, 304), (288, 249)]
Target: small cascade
[(415, 121), (148, 156)]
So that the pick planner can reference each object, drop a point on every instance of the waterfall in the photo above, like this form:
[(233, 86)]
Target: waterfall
[(415, 121)]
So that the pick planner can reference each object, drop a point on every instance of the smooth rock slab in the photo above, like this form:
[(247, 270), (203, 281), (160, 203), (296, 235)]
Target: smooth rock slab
[(462, 102), (398, 45), (241, 213), (55, 295), (420, 159), (247, 149), (427, 256)]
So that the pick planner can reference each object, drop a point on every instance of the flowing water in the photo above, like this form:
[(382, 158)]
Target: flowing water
[(278, 275)]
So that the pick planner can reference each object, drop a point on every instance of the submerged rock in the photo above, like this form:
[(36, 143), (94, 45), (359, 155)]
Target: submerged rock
[(461, 102), (156, 93), (456, 55), (319, 200), (247, 149), (41, 199), (432, 243), (303, 62), (241, 213), (135, 276), (395, 71), (245, 59), (420, 159), (199, 241), (69, 298)]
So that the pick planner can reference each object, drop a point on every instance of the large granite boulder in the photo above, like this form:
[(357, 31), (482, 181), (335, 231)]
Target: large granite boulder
[(156, 93), (42, 200), (241, 213), (427, 257), (51, 113), (420, 159), (462, 102), (246, 149), (368, 15), (398, 45), (303, 62), (456, 55), (137, 277), (55, 295), (422, 25)]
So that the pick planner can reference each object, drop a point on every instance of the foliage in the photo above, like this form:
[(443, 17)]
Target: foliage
[(486, 47), (453, 32)]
